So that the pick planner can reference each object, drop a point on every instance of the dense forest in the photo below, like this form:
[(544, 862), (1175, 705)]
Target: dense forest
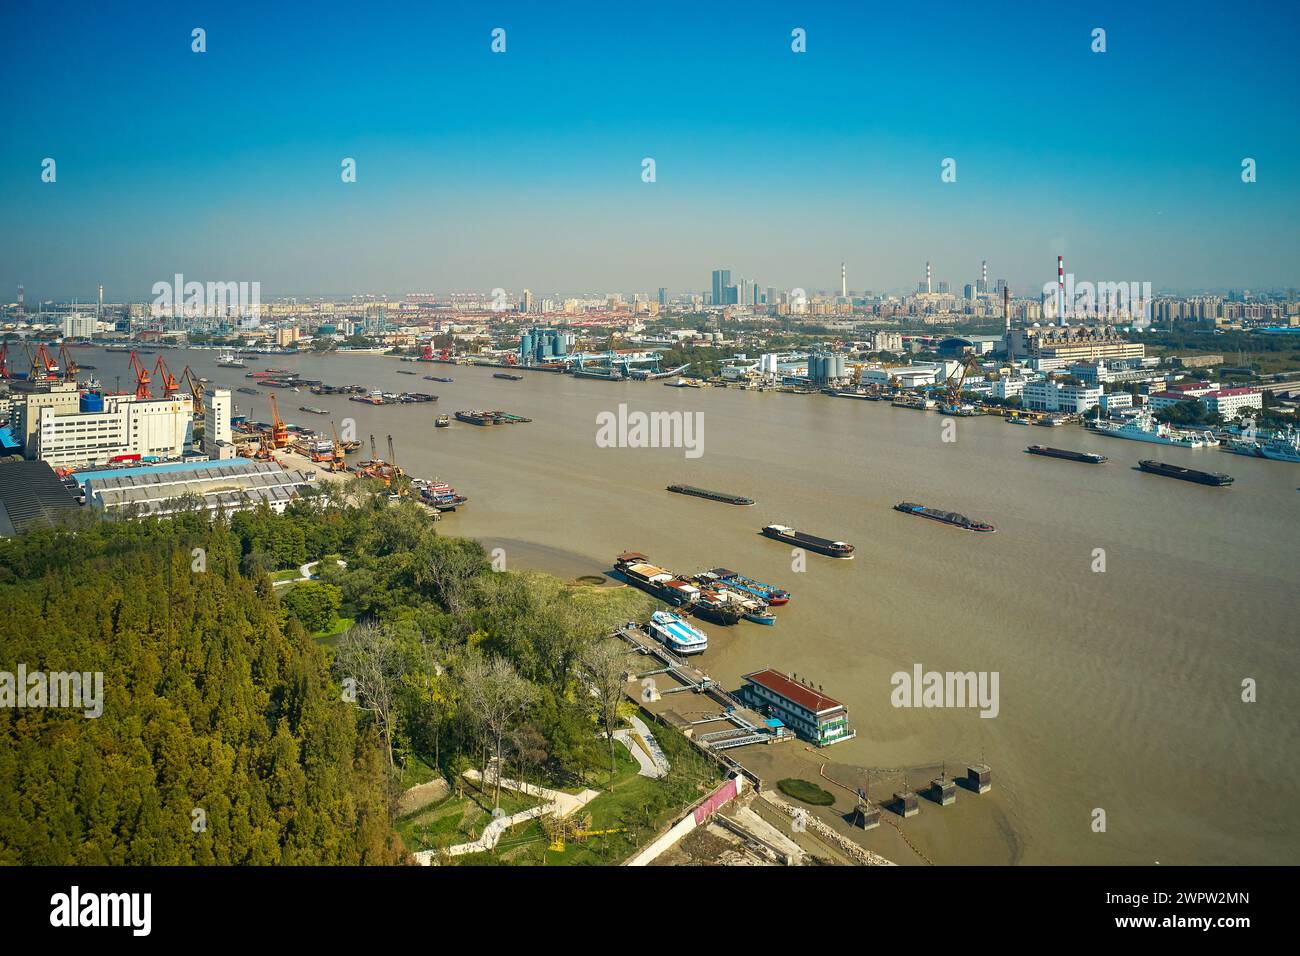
[(249, 722)]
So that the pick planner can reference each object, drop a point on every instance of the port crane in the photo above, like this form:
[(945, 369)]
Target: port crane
[(4, 362), (954, 382), (169, 384), (279, 430), (67, 364), (43, 367), (142, 379), (196, 390), (337, 462)]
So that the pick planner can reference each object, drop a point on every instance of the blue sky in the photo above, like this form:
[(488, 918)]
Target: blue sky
[(478, 170)]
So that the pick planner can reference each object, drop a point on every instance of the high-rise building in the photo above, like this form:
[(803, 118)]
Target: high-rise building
[(526, 301), (663, 298), (721, 280)]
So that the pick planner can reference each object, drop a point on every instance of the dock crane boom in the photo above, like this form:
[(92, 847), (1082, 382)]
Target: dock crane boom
[(169, 384), (196, 390), (4, 362), (67, 364), (142, 379), (43, 367), (279, 431)]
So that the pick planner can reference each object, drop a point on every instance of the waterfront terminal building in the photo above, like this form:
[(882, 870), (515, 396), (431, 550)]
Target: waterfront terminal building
[(812, 715)]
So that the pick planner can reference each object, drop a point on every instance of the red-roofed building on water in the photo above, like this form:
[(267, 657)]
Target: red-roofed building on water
[(811, 714)]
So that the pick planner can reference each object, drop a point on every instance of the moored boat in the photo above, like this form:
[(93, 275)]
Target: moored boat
[(773, 595), (676, 634)]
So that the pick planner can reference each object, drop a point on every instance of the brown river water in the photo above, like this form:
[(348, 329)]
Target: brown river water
[(1119, 690)]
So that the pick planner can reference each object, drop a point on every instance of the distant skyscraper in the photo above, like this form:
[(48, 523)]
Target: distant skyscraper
[(721, 279), (526, 301), (663, 298), (22, 310)]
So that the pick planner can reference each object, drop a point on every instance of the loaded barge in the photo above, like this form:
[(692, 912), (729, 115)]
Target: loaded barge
[(508, 376), (834, 549), (476, 417), (947, 517), (711, 495), (1186, 474), (634, 568), (1087, 457)]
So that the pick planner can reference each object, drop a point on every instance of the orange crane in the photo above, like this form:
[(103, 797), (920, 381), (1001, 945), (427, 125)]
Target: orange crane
[(954, 382), (67, 364), (142, 379), (279, 430), (4, 362), (196, 389), (338, 462), (169, 384), (44, 368)]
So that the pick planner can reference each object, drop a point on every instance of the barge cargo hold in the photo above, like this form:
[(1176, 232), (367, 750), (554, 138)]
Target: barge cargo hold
[(711, 495), (1087, 457), (1186, 474), (834, 549), (476, 417), (947, 517)]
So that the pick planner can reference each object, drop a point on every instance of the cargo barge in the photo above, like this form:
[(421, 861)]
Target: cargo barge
[(714, 590), (947, 517), (1185, 474), (476, 417), (635, 568), (1087, 457), (507, 376), (834, 549), (770, 593), (313, 409), (711, 495)]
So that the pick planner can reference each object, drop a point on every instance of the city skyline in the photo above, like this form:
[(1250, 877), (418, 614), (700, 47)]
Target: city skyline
[(524, 169)]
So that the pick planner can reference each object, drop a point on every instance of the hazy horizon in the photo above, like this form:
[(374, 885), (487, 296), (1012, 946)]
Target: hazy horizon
[(520, 170)]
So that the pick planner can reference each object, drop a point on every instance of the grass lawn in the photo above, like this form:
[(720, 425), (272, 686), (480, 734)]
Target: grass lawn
[(329, 637), (416, 772), (640, 806), (288, 574), (806, 792), (457, 819)]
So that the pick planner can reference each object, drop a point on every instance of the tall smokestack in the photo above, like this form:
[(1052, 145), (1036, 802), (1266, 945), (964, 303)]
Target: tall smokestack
[(22, 311), (844, 281), (984, 275), (927, 278), (1060, 290), (99, 309), (1006, 308)]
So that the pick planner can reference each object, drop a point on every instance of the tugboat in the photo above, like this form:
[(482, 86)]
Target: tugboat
[(675, 634), (834, 549), (1186, 474), (947, 517), (442, 421)]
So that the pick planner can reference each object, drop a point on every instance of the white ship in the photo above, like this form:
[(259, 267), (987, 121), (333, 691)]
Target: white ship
[(229, 360), (1145, 428), (1283, 446), (676, 635)]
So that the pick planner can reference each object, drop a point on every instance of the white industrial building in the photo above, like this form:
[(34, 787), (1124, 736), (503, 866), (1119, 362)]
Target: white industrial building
[(126, 426), (1053, 396)]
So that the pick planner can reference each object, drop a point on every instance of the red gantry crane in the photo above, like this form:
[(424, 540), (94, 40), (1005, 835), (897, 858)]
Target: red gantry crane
[(142, 379), (169, 384)]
